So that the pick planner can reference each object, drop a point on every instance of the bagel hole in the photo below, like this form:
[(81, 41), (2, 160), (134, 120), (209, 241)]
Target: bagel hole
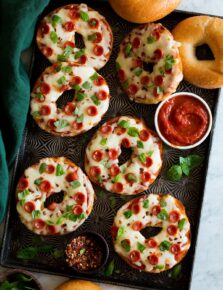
[(204, 52), (150, 232), (125, 155), (66, 97), (79, 41), (148, 66), (54, 197)]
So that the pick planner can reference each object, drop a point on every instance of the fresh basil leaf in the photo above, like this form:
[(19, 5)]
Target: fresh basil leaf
[(53, 37), (75, 184), (66, 69), (174, 173), (79, 53), (62, 80), (190, 162), (117, 178), (103, 141), (137, 71), (140, 144), (124, 124), (36, 214), (50, 223), (42, 167), (60, 124), (59, 170), (60, 220), (133, 132), (80, 118), (92, 37), (126, 245), (181, 224), (121, 231), (22, 195), (146, 203), (169, 62), (128, 49), (27, 253), (142, 157), (86, 85), (94, 76), (35, 114), (80, 96), (151, 39), (109, 269), (95, 100), (159, 267), (176, 272), (25, 278), (140, 247), (131, 177), (163, 215), (128, 214), (164, 246), (39, 96), (56, 19), (84, 16)]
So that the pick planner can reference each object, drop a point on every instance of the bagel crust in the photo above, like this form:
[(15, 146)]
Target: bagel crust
[(153, 44), (158, 253), (78, 285), (56, 36), (48, 177), (195, 31), (91, 99), (142, 11), (135, 175)]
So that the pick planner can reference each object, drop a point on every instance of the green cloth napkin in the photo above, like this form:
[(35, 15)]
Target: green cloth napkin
[(18, 19)]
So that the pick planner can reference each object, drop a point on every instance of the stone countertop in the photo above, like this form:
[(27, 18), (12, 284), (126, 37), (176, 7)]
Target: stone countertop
[(208, 266)]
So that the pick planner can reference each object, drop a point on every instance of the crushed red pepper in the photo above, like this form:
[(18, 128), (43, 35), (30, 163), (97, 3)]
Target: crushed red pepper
[(84, 253)]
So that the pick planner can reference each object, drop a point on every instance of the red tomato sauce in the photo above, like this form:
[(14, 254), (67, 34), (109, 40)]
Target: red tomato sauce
[(183, 120)]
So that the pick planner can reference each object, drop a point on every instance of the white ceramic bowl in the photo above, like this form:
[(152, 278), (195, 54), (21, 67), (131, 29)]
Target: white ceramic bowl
[(189, 146)]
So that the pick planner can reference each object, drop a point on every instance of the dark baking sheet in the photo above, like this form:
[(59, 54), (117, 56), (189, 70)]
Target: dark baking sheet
[(38, 144)]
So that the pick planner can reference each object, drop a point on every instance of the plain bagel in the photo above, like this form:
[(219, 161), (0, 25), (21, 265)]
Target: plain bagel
[(78, 285), (195, 31), (142, 11)]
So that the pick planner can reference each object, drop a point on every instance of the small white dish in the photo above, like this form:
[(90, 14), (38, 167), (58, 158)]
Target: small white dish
[(188, 146)]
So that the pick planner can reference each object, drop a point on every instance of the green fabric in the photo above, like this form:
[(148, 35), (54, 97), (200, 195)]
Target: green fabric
[(18, 19)]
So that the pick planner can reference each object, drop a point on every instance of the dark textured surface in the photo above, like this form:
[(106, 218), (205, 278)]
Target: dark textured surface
[(38, 144)]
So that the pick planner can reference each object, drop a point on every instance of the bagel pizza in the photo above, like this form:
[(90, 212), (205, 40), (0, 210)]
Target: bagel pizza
[(91, 99), (161, 252), (56, 36), (44, 179), (147, 44), (102, 153)]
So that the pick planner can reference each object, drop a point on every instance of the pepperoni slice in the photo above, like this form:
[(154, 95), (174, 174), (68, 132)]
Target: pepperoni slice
[(98, 37), (44, 29), (50, 123), (114, 170), (117, 187), (114, 231), (177, 256), (29, 206), (44, 88), (45, 186), (39, 224), (79, 197), (47, 51), (95, 171), (50, 169), (76, 80), (172, 230), (137, 226), (45, 110), (77, 126), (99, 81), (69, 108), (92, 111), (156, 209), (144, 80), (72, 176), (149, 162), (98, 50), (69, 43), (168, 71), (82, 59), (51, 230), (132, 89), (134, 256), (97, 155), (121, 75), (52, 206), (119, 131), (174, 216), (175, 249), (64, 88), (145, 176), (135, 208), (136, 42), (102, 95), (113, 154), (158, 54), (158, 81), (137, 63), (68, 26), (106, 129), (93, 23), (144, 135), (126, 142), (151, 243), (153, 259), (23, 183), (73, 13), (77, 210)]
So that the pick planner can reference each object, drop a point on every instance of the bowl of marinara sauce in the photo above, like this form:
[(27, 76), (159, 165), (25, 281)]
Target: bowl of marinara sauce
[(183, 120)]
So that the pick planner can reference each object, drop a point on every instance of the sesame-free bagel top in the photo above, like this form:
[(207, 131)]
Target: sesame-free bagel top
[(56, 36)]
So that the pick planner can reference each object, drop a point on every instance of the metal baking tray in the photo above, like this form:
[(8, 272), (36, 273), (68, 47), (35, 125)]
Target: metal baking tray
[(38, 144)]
